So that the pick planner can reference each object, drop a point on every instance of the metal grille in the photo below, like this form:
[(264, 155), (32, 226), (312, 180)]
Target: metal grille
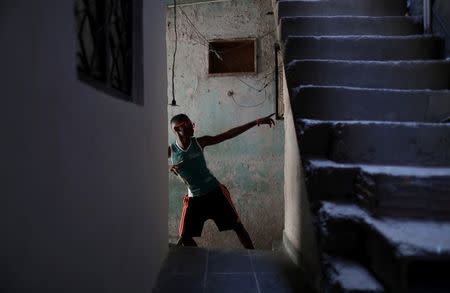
[(119, 41), (104, 49)]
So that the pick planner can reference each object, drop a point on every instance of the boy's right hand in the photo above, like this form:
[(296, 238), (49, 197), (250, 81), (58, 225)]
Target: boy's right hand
[(174, 168), (266, 120)]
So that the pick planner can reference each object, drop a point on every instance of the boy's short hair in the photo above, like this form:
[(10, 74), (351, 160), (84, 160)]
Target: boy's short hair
[(179, 117)]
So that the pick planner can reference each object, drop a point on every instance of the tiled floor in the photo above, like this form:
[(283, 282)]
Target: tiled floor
[(222, 271)]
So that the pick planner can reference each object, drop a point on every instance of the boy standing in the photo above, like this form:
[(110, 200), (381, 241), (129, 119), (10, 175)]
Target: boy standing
[(207, 198)]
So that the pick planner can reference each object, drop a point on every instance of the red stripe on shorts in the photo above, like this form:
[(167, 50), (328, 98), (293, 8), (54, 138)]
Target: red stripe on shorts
[(183, 214)]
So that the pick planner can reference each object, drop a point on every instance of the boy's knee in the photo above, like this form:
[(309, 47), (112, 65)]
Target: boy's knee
[(239, 227)]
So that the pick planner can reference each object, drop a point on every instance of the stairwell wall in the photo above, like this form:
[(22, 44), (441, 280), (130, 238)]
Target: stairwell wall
[(299, 239), (84, 178)]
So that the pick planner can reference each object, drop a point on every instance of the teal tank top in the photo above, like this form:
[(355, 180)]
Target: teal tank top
[(193, 171)]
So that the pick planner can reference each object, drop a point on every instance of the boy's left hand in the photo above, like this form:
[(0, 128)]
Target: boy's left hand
[(265, 120)]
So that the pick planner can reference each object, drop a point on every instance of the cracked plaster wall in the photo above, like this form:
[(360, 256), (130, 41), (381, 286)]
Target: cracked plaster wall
[(251, 165)]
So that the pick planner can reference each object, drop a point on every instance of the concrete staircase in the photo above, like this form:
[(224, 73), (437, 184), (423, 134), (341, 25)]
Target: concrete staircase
[(370, 95)]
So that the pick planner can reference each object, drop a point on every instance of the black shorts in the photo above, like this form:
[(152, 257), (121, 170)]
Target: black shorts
[(215, 205)]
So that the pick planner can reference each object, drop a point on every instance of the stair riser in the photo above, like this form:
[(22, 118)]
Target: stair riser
[(329, 183), (385, 264), (389, 144), (394, 196), (340, 26), (342, 7), (355, 48), (391, 188), (375, 105), (419, 198), (397, 274), (411, 213), (393, 145), (389, 75), (342, 238)]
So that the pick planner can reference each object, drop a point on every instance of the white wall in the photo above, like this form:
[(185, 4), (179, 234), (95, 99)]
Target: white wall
[(84, 180), (299, 239)]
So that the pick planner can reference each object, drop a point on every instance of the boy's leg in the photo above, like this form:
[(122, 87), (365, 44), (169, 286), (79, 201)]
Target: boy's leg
[(191, 222), (186, 241), (243, 236), (226, 217)]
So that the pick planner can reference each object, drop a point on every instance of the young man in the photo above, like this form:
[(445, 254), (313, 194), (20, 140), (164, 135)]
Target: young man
[(206, 198)]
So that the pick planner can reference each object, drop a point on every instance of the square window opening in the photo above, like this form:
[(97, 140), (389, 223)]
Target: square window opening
[(232, 57), (109, 46)]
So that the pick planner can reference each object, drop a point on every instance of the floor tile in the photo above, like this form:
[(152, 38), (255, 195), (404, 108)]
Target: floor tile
[(185, 260), (173, 282), (283, 282), (274, 283), (231, 283), (267, 262), (233, 261), (228, 271)]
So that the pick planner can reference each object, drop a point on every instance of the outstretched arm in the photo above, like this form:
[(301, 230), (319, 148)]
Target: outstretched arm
[(211, 140)]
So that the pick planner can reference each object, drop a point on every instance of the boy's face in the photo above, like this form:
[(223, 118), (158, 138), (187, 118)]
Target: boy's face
[(183, 128)]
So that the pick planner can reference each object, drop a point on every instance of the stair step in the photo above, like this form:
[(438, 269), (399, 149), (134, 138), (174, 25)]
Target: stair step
[(376, 142), (328, 180), (341, 7), (425, 196), (395, 248), (385, 191), (381, 48), (349, 25), (369, 74), (344, 103), (341, 237), (410, 239), (347, 276)]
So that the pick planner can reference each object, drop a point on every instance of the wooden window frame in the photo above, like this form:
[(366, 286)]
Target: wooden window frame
[(247, 73)]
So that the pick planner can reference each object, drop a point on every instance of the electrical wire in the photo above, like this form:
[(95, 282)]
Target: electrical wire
[(202, 37), (254, 88), (250, 106), (205, 40), (174, 102), (202, 40)]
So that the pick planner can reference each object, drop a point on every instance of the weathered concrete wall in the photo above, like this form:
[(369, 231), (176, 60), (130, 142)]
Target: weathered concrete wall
[(251, 165), (187, 2), (440, 19)]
